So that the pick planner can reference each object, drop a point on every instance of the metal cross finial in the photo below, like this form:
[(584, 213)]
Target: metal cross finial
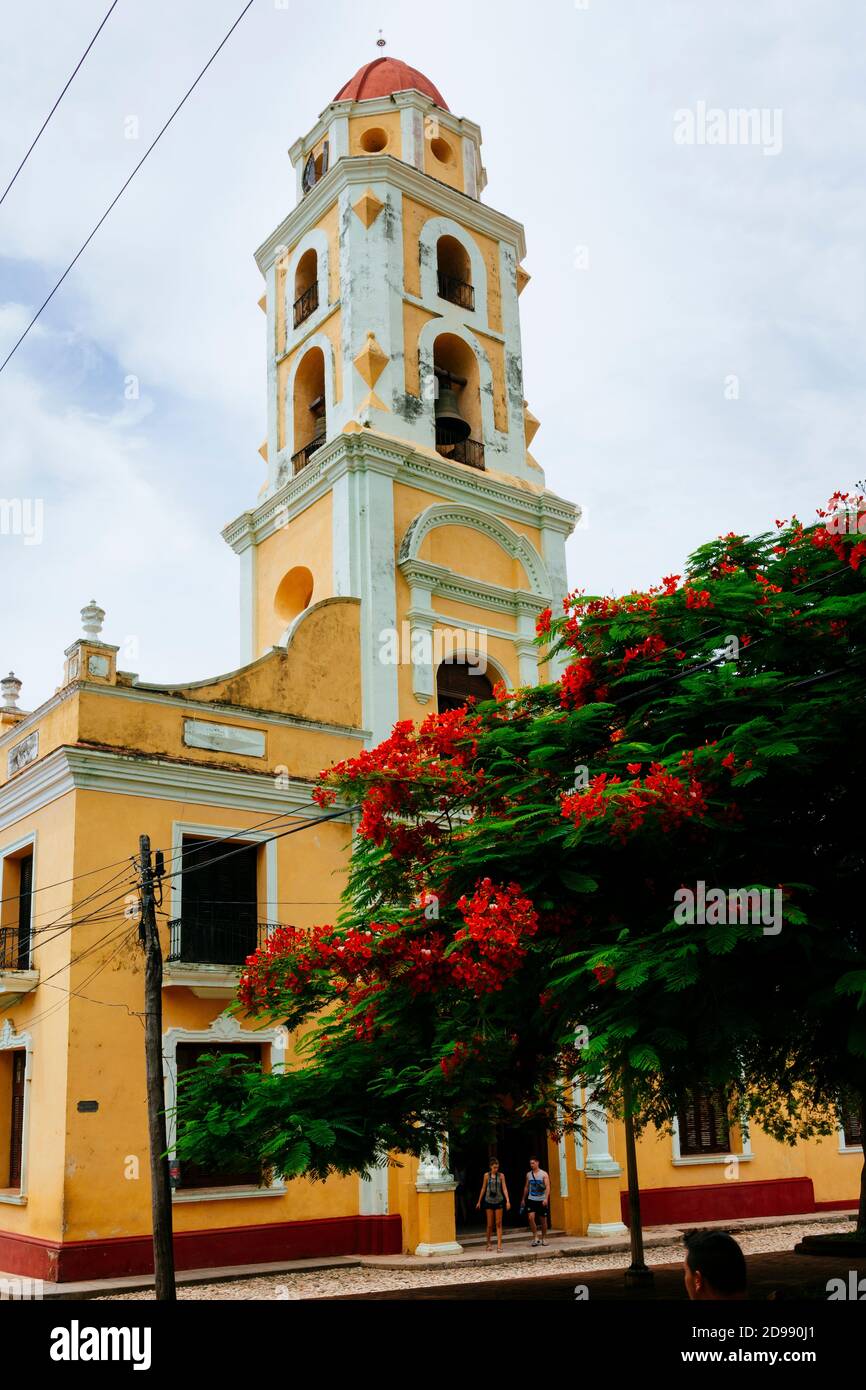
[(380, 42)]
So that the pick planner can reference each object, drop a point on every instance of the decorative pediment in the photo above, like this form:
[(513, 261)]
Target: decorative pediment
[(458, 514)]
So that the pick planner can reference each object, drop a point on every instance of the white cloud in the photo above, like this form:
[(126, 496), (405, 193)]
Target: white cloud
[(703, 262)]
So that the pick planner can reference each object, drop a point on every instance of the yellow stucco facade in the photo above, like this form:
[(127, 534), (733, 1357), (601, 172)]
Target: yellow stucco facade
[(380, 520)]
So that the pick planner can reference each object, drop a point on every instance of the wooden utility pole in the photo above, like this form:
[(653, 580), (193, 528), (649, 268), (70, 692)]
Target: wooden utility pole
[(638, 1272), (160, 1187)]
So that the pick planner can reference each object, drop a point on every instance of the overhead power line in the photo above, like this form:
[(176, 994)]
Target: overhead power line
[(58, 101), (124, 186)]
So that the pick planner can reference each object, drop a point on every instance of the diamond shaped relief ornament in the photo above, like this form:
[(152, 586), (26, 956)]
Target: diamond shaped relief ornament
[(368, 208), (371, 362)]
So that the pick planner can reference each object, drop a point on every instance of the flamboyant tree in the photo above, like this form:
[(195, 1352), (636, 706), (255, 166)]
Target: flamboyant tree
[(567, 881)]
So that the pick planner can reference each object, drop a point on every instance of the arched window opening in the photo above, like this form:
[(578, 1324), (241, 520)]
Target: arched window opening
[(306, 286), (454, 270), (458, 680), (294, 593), (459, 431), (315, 168), (310, 421)]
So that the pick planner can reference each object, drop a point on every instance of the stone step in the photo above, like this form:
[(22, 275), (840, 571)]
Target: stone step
[(471, 1240)]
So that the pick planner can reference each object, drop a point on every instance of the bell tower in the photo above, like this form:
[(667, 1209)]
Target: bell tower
[(398, 470)]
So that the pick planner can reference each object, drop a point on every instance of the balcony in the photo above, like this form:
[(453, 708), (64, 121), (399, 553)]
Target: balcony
[(303, 456), (206, 954), (17, 977), (456, 291), (306, 304), (467, 451)]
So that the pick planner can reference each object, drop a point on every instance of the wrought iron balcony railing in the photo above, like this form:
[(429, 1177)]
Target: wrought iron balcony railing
[(198, 939), (456, 291), (306, 304), (467, 451), (14, 948), (303, 456)]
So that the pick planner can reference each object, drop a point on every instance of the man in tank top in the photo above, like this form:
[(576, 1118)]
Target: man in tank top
[(536, 1200)]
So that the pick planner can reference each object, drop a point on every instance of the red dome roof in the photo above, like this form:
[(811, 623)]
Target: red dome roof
[(383, 76)]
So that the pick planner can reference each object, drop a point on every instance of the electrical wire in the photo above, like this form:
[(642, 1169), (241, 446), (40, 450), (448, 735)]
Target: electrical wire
[(58, 101), (124, 187)]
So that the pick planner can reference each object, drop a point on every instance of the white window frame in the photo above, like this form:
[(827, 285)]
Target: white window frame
[(700, 1160), (10, 1041), (223, 1031), (10, 852), (847, 1148), (222, 832)]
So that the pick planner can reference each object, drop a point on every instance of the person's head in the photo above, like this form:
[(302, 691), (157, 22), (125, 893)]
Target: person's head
[(494, 1165), (534, 1164), (714, 1267)]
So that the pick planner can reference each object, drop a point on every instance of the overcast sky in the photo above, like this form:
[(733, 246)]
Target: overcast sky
[(693, 332)]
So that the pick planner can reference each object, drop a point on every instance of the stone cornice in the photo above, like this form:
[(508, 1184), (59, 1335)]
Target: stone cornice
[(375, 452), (71, 768), (446, 584), (361, 170)]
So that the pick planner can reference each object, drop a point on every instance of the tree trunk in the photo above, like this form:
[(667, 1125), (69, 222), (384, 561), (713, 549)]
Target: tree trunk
[(861, 1211), (637, 1272)]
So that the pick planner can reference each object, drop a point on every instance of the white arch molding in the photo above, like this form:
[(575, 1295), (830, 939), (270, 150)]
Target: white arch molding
[(426, 579), (492, 438), (316, 340), (433, 229), (222, 1032), (11, 1041), (315, 240)]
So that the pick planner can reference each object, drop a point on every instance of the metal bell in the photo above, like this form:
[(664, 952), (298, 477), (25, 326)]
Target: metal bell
[(449, 421)]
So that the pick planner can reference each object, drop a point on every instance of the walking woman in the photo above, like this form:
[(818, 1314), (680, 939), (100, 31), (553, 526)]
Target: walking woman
[(495, 1200)]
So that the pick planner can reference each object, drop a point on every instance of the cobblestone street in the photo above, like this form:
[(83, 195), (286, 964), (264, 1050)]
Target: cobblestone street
[(547, 1269)]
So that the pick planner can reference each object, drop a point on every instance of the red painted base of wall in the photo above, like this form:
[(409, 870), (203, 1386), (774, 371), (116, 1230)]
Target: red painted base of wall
[(664, 1206), (73, 1260)]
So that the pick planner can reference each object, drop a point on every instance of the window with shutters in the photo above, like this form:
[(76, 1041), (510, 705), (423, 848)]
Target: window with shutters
[(703, 1124), (852, 1124), (456, 681), (13, 1072), (16, 923), (219, 922), (192, 1175)]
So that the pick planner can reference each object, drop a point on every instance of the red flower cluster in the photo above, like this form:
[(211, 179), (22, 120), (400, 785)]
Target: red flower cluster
[(674, 799), (412, 771), (359, 964), (652, 647), (698, 598), (499, 923)]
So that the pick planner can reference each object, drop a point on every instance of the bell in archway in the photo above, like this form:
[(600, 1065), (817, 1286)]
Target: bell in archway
[(451, 428)]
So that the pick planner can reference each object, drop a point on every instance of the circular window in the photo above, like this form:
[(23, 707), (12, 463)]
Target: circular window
[(374, 140), (441, 150)]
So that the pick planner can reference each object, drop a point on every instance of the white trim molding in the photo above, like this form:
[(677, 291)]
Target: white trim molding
[(315, 240), (10, 1041), (200, 830), (426, 580), (847, 1148), (222, 1032), (433, 229)]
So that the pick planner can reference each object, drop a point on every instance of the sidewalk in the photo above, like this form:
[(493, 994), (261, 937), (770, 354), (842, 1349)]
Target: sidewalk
[(516, 1248)]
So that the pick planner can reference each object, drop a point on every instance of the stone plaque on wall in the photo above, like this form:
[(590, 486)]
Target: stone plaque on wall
[(224, 738), (23, 753)]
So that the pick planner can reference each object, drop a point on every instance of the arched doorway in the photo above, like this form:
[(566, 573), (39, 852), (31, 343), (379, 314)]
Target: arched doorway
[(459, 680)]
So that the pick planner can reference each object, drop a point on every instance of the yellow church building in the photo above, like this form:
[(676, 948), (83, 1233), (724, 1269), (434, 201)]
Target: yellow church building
[(395, 561)]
